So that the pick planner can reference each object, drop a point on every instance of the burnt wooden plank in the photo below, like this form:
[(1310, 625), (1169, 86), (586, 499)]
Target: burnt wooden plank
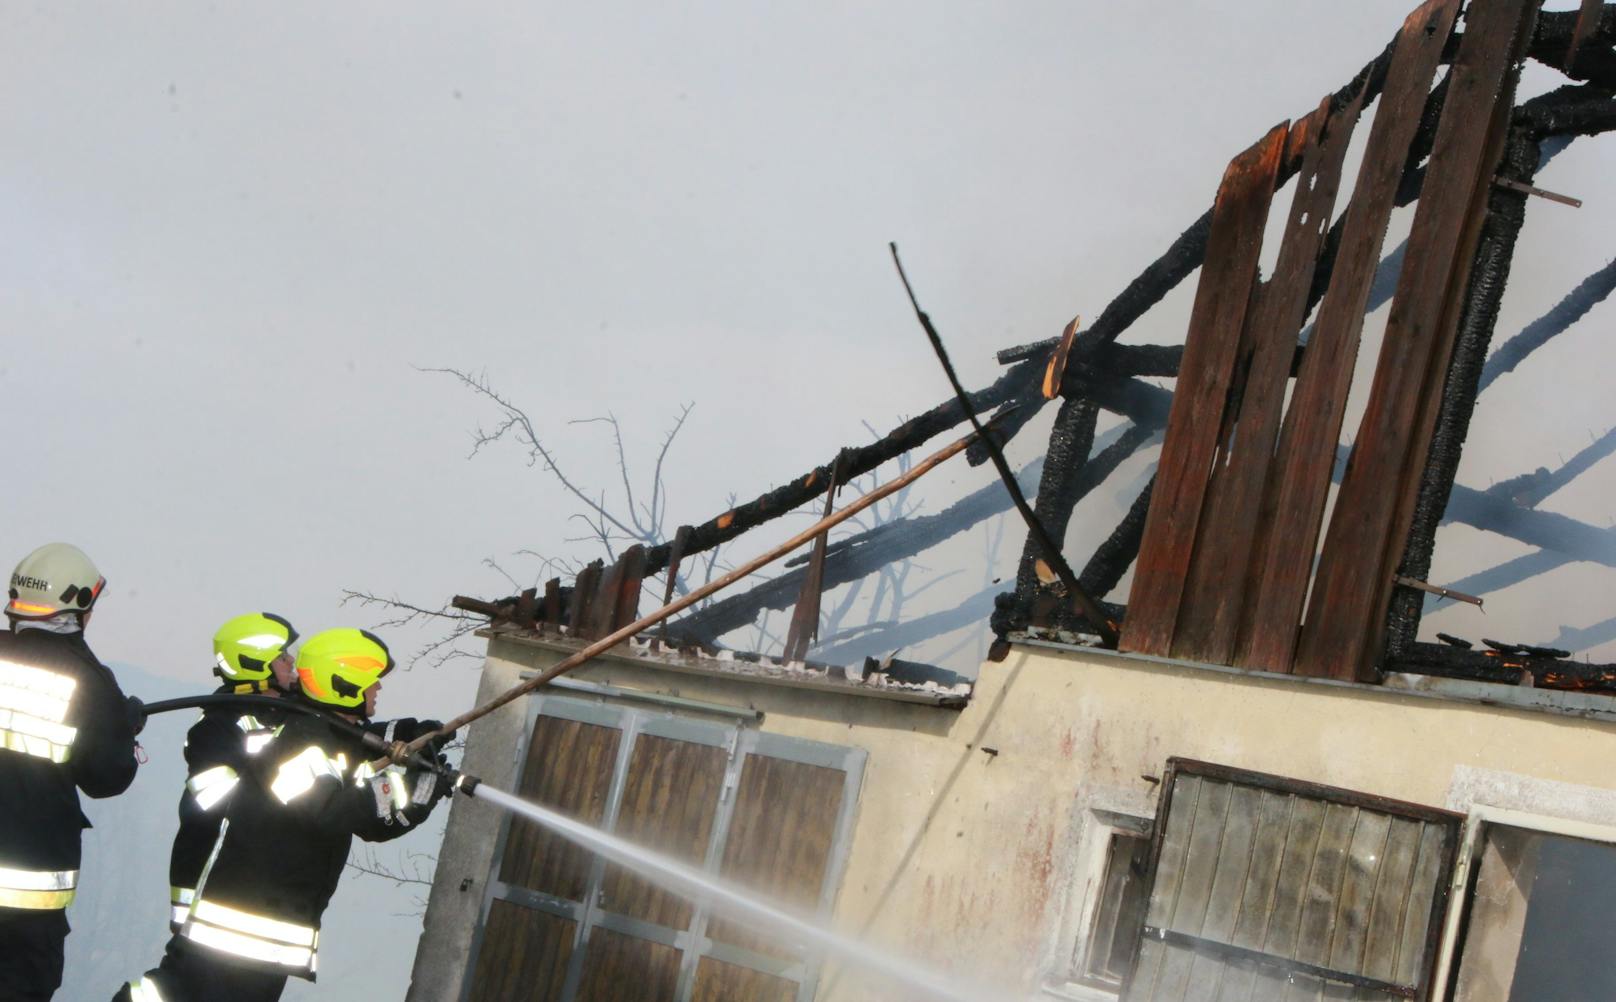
[(630, 581), (551, 607), (1215, 593), (1221, 300), (804, 625), (779, 840), (619, 968), (1357, 895), (720, 982), (1587, 23), (583, 596), (1391, 896), (669, 802), (1346, 613), (676, 553), (603, 603), (1300, 481), (1406, 489), (568, 767), (523, 955)]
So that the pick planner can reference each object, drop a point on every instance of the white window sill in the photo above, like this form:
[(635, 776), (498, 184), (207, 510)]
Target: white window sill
[(1076, 993)]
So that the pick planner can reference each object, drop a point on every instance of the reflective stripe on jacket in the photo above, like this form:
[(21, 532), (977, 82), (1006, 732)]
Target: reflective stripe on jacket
[(64, 728)]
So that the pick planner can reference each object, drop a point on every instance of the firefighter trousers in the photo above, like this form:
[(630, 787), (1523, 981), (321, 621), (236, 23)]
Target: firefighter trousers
[(195, 974), (31, 953)]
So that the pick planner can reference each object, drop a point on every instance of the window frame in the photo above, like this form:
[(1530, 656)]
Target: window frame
[(1480, 818), (1101, 819)]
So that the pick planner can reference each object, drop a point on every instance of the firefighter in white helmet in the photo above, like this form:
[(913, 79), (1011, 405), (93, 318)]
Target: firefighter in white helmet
[(65, 727)]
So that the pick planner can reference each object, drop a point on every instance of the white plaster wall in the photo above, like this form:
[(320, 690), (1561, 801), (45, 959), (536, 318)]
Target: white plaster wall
[(966, 851)]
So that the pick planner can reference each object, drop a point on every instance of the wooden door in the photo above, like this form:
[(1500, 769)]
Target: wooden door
[(767, 812)]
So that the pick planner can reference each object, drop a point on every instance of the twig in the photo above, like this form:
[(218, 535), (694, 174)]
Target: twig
[(644, 623)]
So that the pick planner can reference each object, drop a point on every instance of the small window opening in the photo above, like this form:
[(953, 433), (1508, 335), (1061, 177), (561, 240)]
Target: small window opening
[(1120, 913)]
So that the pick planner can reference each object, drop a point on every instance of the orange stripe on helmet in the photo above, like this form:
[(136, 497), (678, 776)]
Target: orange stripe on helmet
[(305, 677), (21, 606)]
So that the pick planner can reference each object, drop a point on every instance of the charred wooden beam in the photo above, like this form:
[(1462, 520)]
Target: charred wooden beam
[(1582, 110), (861, 460), (1489, 274), (1070, 442), (1558, 31), (1507, 669), (890, 543), (1113, 557)]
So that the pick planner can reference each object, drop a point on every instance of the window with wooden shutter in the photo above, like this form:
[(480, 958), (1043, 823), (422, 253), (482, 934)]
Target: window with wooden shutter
[(561, 925), (1265, 888)]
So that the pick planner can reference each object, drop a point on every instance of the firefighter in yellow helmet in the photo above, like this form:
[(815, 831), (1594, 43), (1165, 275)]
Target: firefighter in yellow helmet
[(298, 806), (252, 655), (65, 727)]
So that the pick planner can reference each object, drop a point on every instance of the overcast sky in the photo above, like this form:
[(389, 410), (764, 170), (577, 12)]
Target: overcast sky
[(232, 231)]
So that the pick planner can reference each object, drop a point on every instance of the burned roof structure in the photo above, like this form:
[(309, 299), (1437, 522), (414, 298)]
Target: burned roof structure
[(1234, 560)]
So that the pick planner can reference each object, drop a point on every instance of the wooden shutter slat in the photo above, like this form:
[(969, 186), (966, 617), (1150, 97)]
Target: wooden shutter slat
[(1386, 912)]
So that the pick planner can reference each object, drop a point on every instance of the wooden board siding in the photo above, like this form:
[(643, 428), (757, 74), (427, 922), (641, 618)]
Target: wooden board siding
[(1284, 550), (524, 955), (669, 802), (1216, 320), (720, 982), (1254, 875), (761, 809), (1346, 613), (568, 767), (619, 968), (1216, 591), (779, 839)]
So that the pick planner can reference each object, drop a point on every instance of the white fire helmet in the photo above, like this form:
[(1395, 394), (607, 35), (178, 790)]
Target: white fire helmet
[(53, 579)]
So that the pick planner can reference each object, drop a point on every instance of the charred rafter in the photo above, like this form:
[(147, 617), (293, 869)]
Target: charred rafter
[(1489, 273)]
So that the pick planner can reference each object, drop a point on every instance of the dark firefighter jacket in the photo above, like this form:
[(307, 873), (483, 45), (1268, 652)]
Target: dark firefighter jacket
[(217, 749), (64, 723), (285, 838)]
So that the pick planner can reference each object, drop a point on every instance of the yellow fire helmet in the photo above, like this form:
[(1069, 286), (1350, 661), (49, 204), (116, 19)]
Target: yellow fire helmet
[(335, 667), (244, 646), (53, 579)]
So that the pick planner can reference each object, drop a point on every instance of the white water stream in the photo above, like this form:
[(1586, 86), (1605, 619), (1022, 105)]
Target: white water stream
[(689, 882)]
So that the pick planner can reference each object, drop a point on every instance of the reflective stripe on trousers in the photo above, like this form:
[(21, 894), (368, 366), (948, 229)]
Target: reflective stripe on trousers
[(179, 903), (37, 889), (253, 937), (33, 711)]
